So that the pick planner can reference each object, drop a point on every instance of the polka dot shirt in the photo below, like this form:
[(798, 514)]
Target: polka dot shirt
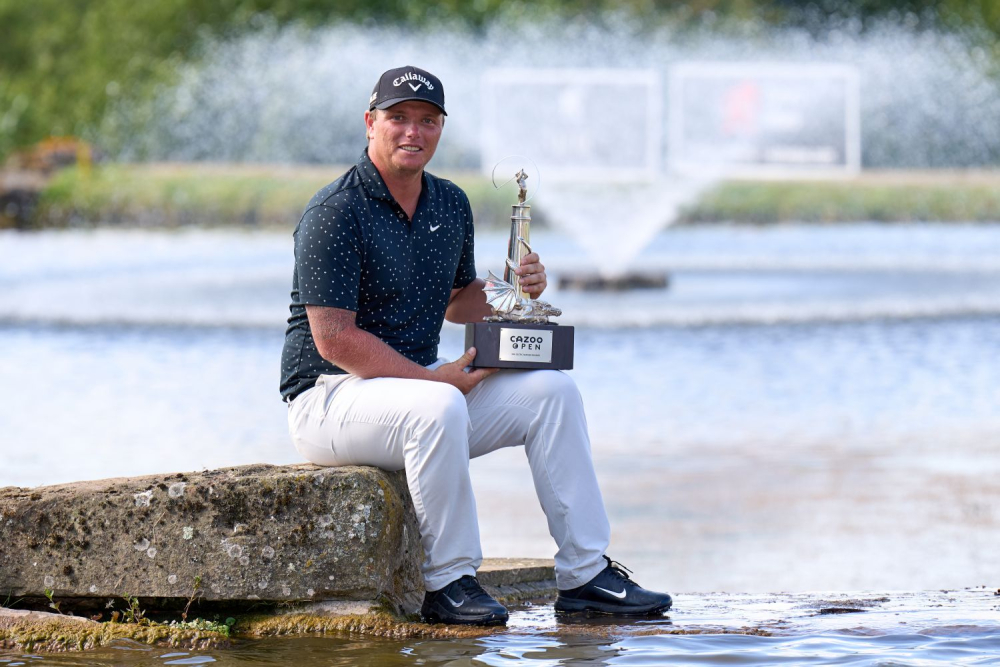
[(356, 249)]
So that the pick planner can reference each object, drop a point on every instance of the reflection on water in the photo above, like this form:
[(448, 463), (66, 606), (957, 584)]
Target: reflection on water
[(555, 644)]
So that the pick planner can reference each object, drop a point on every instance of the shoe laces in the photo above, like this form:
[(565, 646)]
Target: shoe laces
[(472, 588), (619, 570)]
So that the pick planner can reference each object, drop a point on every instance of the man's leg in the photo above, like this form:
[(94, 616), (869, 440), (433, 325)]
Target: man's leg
[(543, 411), (393, 424)]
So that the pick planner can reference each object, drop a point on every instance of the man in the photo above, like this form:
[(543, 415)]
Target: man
[(382, 256)]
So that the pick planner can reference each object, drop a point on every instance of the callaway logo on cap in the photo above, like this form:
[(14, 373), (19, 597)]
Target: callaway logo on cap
[(407, 83)]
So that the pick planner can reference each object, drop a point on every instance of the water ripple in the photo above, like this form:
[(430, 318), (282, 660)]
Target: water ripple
[(534, 650)]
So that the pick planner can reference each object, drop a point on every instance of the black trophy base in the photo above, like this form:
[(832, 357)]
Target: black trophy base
[(529, 346)]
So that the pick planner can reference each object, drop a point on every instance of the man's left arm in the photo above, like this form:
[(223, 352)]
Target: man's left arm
[(468, 304)]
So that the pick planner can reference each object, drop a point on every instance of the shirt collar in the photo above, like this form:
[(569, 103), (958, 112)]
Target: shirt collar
[(371, 180), (373, 184)]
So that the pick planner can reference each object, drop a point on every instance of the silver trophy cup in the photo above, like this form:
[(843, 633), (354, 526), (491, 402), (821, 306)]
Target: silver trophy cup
[(518, 333)]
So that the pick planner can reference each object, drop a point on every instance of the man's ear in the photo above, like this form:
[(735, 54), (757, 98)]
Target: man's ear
[(369, 121)]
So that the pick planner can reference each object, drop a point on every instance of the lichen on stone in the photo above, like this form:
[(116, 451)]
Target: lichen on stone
[(56, 634), (378, 624)]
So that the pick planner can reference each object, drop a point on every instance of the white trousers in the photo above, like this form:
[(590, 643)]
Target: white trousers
[(431, 430)]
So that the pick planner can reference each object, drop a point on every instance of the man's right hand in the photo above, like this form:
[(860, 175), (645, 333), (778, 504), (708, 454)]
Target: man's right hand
[(454, 372)]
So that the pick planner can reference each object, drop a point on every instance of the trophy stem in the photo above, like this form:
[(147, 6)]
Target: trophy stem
[(518, 245)]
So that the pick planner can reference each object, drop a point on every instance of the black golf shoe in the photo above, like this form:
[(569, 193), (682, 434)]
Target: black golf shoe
[(464, 602), (612, 592)]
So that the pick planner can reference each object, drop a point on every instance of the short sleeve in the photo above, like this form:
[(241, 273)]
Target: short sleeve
[(328, 254), (466, 271)]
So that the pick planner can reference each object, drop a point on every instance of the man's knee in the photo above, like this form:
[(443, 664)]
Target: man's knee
[(442, 405), (551, 385)]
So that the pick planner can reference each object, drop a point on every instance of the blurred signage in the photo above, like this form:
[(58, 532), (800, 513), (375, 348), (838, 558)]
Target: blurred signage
[(575, 124), (758, 119)]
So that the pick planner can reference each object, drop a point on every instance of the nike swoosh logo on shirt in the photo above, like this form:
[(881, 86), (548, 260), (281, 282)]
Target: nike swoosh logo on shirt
[(617, 595), (453, 603), (435, 228)]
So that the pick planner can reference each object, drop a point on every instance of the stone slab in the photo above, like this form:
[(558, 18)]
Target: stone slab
[(514, 580), (513, 571), (250, 533)]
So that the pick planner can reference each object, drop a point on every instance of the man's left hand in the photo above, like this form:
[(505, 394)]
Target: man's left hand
[(532, 275)]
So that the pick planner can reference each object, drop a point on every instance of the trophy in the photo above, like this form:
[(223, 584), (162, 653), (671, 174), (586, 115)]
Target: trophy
[(518, 334)]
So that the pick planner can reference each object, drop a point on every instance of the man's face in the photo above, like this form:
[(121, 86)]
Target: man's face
[(403, 137)]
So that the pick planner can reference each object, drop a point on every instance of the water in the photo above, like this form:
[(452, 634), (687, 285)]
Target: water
[(659, 650), (563, 645), (804, 409), (721, 275)]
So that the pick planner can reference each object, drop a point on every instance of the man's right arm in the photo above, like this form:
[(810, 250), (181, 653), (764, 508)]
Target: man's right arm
[(363, 354)]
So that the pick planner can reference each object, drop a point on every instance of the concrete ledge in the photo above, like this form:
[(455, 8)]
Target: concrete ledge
[(255, 533)]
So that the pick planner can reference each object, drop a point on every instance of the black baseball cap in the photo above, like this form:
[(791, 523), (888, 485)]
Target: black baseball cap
[(407, 83)]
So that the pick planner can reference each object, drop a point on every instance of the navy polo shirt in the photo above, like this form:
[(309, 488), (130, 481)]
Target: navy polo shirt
[(355, 249)]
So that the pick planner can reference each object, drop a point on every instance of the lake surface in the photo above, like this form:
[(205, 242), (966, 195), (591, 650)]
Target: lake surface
[(805, 408), (938, 628), (546, 651)]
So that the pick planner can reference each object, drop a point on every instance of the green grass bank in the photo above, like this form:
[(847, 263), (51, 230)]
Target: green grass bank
[(878, 196), (173, 194), (274, 196)]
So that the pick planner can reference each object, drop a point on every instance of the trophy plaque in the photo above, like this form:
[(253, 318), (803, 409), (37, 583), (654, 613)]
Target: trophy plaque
[(518, 334)]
